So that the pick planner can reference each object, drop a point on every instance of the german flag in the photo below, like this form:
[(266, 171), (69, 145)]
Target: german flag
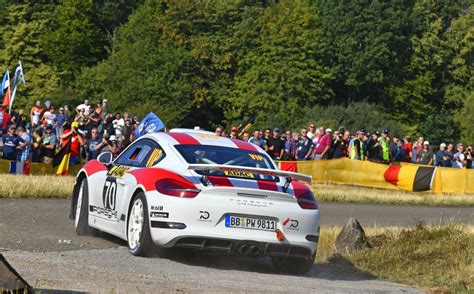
[(246, 124), (411, 177), (61, 160)]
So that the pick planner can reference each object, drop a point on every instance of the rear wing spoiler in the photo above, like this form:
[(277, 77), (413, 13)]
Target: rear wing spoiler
[(261, 171)]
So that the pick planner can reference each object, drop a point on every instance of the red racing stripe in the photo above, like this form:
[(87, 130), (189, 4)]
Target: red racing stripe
[(220, 181), (93, 166), (244, 145), (267, 185), (184, 139)]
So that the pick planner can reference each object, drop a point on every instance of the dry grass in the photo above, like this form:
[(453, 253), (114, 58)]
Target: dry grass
[(438, 258), (352, 194), (20, 186)]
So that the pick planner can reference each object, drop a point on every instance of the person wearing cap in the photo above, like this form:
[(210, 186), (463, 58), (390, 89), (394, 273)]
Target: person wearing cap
[(61, 118), (425, 156), (305, 146), (459, 159), (48, 145), (10, 141), (23, 145), (71, 132), (276, 146), (323, 147), (442, 157)]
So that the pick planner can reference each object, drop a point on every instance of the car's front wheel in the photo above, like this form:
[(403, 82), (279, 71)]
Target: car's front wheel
[(138, 229), (81, 220), (293, 265)]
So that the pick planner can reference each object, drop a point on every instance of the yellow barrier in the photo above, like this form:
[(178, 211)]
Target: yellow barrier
[(370, 174), (37, 168)]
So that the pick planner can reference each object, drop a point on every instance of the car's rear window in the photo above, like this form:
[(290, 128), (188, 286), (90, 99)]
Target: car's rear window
[(208, 154)]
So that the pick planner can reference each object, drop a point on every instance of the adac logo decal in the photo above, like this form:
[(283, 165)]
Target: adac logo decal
[(239, 174), (291, 224), (118, 171)]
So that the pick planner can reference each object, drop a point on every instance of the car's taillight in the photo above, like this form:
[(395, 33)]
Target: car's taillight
[(177, 188), (306, 199)]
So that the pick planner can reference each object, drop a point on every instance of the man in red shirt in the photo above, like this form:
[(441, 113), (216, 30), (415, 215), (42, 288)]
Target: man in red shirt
[(324, 145), (77, 140)]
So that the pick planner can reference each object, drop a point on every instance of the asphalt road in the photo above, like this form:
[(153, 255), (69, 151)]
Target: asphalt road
[(38, 239)]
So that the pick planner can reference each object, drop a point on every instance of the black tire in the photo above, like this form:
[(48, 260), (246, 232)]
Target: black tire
[(145, 245), (82, 216), (293, 265)]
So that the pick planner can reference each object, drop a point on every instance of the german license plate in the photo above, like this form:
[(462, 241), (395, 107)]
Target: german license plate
[(252, 223)]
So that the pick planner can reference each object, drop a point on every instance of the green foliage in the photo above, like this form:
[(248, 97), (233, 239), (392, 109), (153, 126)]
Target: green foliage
[(405, 64), (72, 40), (21, 39)]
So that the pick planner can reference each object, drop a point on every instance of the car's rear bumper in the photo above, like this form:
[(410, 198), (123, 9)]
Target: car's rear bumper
[(243, 247), (199, 223)]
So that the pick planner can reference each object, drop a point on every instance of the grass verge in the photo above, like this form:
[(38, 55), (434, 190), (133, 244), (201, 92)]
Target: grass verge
[(437, 258), (353, 194), (20, 186)]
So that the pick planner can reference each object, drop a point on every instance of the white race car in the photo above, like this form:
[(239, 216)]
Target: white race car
[(192, 189)]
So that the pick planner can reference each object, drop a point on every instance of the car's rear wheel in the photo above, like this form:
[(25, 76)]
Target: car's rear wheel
[(138, 229), (81, 220), (293, 265)]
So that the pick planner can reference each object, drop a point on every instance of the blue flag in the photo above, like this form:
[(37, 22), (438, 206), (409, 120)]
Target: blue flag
[(150, 124)]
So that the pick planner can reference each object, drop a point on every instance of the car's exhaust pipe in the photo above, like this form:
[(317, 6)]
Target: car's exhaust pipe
[(255, 251), (243, 249)]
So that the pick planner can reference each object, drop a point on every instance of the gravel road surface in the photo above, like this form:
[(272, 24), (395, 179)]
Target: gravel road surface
[(38, 239)]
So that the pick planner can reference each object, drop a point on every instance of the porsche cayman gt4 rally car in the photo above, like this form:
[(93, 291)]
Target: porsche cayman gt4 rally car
[(192, 189)]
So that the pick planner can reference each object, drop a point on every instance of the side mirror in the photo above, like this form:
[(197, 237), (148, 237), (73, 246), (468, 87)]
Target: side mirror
[(105, 158)]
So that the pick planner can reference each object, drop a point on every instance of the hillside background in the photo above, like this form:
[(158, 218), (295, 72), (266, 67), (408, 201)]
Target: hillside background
[(402, 65)]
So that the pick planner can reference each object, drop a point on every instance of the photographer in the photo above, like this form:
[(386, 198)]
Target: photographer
[(72, 133), (339, 145), (109, 143)]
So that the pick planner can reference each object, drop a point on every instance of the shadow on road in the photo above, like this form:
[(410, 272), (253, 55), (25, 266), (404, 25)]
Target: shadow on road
[(337, 268)]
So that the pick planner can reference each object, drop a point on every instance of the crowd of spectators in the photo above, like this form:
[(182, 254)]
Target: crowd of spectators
[(37, 136), (322, 143)]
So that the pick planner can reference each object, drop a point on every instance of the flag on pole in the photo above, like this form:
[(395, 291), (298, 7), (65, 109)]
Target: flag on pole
[(246, 124), (18, 79), (6, 89), (61, 160), (150, 124)]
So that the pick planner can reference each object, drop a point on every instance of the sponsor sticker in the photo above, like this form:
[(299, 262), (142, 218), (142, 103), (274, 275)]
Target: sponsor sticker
[(291, 224), (159, 214), (118, 171), (239, 174), (256, 157), (154, 157)]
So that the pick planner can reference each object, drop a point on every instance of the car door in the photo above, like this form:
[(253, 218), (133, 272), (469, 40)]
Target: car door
[(111, 207)]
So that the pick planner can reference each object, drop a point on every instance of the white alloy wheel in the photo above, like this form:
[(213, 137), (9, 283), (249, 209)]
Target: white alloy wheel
[(135, 224), (80, 195)]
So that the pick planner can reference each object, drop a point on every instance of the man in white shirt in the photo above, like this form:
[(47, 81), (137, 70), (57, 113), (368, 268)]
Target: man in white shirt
[(86, 106), (459, 160)]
